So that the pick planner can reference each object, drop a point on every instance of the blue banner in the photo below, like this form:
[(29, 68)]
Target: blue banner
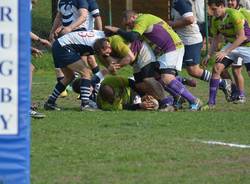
[(14, 91)]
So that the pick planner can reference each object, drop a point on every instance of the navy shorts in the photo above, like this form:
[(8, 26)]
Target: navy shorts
[(63, 56), (192, 54)]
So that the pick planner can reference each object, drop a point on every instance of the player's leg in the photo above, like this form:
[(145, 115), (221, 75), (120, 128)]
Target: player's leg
[(33, 110), (60, 76), (85, 83), (59, 88), (239, 80), (191, 60), (215, 80), (170, 63)]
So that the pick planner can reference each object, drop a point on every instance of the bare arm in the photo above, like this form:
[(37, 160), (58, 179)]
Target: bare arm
[(129, 58), (82, 18), (98, 23), (35, 37), (240, 38), (56, 24), (180, 23), (213, 47)]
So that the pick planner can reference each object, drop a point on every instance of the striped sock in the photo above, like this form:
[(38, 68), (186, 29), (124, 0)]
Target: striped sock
[(85, 91), (206, 76), (59, 88), (59, 78)]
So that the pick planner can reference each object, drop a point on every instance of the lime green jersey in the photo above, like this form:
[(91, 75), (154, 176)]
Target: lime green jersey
[(229, 26), (121, 88), (120, 47), (160, 36), (245, 13)]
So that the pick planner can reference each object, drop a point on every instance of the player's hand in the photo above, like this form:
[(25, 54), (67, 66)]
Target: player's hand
[(113, 67), (58, 32), (147, 98), (149, 103), (66, 30), (51, 37), (45, 42), (220, 55), (36, 52), (112, 28), (205, 61)]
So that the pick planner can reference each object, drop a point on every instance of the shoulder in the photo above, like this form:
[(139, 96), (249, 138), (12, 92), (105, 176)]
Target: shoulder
[(233, 13), (116, 38)]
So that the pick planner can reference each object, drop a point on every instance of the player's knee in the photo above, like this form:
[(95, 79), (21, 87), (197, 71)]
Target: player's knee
[(85, 73), (91, 61), (167, 75), (237, 71), (66, 80), (218, 68), (195, 71)]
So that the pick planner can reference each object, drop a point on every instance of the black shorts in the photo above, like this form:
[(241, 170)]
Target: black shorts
[(150, 70)]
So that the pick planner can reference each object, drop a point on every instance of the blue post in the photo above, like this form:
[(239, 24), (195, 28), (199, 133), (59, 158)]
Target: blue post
[(14, 92)]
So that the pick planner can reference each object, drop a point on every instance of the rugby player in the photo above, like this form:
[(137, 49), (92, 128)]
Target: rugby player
[(67, 51), (116, 93), (167, 47), (75, 15), (235, 29), (114, 52)]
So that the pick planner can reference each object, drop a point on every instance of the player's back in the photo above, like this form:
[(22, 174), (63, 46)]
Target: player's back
[(157, 33), (69, 10), (77, 39)]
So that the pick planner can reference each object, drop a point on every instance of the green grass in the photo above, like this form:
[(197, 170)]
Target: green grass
[(41, 18), (137, 147), (73, 147)]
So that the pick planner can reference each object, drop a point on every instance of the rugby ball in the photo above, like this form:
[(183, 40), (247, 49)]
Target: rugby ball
[(156, 103)]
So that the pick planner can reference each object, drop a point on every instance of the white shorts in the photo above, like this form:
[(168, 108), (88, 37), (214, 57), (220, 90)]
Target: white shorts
[(144, 57), (238, 62), (172, 59), (239, 55)]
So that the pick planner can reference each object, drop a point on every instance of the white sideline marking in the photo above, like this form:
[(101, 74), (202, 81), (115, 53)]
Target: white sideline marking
[(224, 144), (38, 83)]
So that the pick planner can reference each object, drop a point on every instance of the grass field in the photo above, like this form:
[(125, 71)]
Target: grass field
[(73, 147), (137, 147)]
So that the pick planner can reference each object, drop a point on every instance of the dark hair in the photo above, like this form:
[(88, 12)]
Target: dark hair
[(99, 43), (107, 93), (216, 2), (126, 14)]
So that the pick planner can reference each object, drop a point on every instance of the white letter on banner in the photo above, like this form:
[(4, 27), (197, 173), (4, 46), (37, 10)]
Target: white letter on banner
[(9, 67)]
